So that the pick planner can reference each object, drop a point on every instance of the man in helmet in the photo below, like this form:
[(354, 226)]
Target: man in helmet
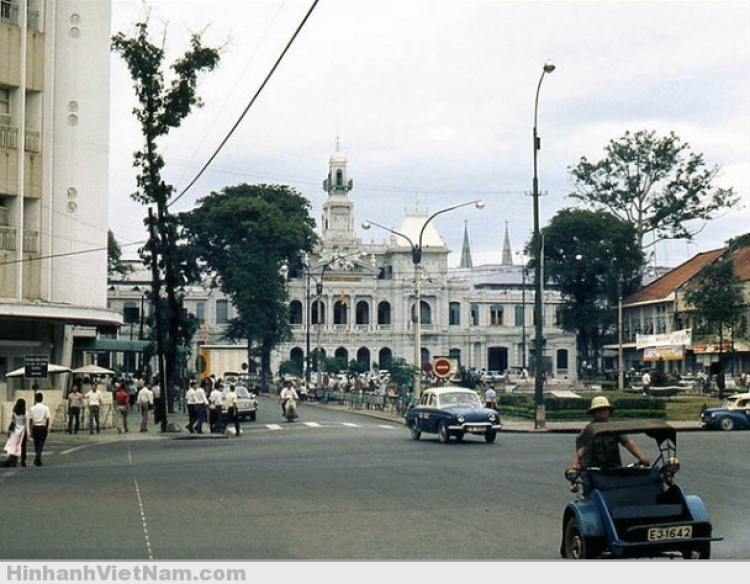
[(603, 453)]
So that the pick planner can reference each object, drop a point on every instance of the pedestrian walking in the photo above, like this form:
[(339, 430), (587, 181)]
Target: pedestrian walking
[(16, 444), (75, 403), (146, 403), (191, 407), (94, 399), (122, 405), (40, 420), (215, 400), (201, 403), (233, 414)]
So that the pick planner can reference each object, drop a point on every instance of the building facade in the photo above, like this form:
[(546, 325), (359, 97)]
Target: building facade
[(54, 174), (357, 301)]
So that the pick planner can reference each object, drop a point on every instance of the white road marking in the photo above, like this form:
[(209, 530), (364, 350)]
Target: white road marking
[(273, 426), (312, 424), (143, 520), (350, 425), (386, 427)]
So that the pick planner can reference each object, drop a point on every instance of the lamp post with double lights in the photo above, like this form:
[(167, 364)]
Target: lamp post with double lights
[(539, 414), (416, 258)]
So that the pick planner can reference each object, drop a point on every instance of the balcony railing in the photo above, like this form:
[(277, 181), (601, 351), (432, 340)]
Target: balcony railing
[(8, 238), (30, 240)]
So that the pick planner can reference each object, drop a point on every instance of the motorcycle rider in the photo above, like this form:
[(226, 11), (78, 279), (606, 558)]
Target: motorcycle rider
[(286, 394)]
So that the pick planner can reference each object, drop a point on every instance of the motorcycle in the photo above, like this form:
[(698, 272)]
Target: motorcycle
[(290, 410)]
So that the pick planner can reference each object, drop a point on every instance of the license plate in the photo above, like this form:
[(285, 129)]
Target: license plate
[(476, 429), (674, 532)]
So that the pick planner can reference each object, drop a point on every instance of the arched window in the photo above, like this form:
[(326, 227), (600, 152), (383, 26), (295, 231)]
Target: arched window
[(384, 313), (342, 353), (339, 313), (425, 313), (363, 356), (425, 355), (339, 178), (318, 312), (222, 311), (384, 358), (454, 314), (297, 356), (562, 359), (455, 354), (363, 312), (295, 312)]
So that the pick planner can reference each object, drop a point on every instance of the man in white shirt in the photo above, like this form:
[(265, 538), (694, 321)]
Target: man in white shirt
[(40, 419), (146, 402), (231, 407), (94, 399), (201, 403), (489, 398), (215, 408), (190, 402), (288, 393)]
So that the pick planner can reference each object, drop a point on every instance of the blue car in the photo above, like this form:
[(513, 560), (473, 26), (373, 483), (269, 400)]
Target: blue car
[(634, 511), (452, 412), (733, 415)]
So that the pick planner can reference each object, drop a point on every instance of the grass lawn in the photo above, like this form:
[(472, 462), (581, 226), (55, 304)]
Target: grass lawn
[(685, 407)]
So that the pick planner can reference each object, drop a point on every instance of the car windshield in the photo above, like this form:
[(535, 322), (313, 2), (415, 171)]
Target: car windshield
[(242, 392), (460, 399)]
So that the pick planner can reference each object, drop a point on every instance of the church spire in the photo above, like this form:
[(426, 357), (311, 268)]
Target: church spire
[(507, 253), (466, 250)]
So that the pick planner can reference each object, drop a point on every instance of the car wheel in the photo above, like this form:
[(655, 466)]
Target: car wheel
[(576, 546), (489, 437), (443, 435), (700, 552), (726, 424), (414, 429)]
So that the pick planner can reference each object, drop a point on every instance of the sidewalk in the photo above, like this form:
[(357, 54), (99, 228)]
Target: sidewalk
[(178, 421)]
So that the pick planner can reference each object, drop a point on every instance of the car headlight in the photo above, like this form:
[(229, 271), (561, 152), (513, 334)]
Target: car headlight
[(493, 417), (461, 419)]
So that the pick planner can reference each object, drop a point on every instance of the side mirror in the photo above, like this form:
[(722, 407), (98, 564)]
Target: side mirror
[(572, 474)]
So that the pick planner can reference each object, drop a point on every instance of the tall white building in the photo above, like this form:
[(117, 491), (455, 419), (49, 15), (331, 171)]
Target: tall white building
[(357, 300), (54, 146)]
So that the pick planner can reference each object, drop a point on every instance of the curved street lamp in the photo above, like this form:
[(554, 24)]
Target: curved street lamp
[(416, 258), (539, 414)]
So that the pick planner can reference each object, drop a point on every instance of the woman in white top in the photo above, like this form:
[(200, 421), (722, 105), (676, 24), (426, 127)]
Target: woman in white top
[(16, 444)]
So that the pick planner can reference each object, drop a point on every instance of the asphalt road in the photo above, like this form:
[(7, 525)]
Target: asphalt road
[(334, 485)]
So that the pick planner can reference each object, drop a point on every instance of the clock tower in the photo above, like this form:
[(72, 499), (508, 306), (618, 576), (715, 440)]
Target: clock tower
[(338, 217)]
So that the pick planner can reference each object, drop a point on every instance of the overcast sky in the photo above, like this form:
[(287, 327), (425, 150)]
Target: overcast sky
[(433, 101)]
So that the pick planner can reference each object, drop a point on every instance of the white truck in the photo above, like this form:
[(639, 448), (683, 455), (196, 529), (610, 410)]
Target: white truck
[(223, 361)]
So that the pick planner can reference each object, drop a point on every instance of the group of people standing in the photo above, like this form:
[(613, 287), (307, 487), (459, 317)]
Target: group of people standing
[(34, 423), (207, 404)]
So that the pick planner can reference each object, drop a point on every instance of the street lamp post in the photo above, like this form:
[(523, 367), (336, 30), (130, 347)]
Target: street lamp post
[(539, 414), (416, 257)]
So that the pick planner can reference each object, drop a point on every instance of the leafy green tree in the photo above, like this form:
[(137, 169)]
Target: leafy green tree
[(402, 372), (115, 264), (161, 108), (717, 296), (357, 367), (656, 183), (246, 235), (593, 258)]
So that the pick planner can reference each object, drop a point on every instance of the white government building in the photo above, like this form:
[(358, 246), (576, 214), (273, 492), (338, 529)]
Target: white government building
[(54, 181), (482, 317)]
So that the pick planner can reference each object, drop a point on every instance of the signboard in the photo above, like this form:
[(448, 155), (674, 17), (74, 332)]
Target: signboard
[(663, 354), (36, 366), (442, 367), (680, 338)]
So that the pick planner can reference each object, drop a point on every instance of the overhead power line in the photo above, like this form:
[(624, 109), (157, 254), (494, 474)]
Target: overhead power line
[(249, 105)]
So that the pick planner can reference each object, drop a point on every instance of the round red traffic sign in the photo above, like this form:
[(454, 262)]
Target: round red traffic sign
[(442, 367)]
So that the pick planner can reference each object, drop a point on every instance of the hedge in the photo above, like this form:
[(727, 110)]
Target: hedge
[(560, 409)]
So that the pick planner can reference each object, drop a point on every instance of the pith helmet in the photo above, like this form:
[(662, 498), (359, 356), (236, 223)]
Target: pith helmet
[(598, 403)]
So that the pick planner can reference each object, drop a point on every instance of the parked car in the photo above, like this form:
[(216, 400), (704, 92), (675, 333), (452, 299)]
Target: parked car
[(494, 377), (452, 412), (247, 403), (733, 414), (634, 511)]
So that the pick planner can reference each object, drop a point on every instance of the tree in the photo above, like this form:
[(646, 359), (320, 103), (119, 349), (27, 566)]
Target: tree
[(402, 372), (246, 235), (594, 259), (657, 184), (160, 109), (115, 265), (717, 296)]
